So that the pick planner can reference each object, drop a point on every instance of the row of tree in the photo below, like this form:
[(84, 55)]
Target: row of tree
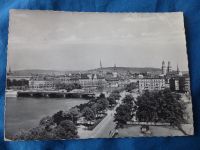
[(68, 87), (96, 108), (63, 124), (158, 106), (125, 111), (14, 82)]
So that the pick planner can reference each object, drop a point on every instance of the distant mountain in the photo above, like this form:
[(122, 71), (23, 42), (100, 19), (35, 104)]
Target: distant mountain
[(128, 69), (38, 71), (121, 70)]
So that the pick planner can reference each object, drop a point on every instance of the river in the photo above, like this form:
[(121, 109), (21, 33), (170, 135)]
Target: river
[(25, 113)]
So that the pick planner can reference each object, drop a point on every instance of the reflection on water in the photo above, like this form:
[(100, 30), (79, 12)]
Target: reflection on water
[(25, 113)]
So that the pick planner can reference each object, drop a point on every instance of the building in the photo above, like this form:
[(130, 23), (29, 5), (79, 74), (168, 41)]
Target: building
[(169, 67), (41, 82), (62, 79), (184, 84), (92, 81), (151, 84), (174, 84), (115, 73), (163, 68)]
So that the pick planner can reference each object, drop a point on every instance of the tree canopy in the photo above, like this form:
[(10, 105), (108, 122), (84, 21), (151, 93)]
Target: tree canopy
[(161, 106)]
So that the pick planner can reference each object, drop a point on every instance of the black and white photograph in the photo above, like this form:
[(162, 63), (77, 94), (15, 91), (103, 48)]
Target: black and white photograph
[(80, 75)]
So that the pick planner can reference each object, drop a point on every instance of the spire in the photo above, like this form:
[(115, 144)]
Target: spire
[(115, 74), (178, 71), (101, 69), (169, 67), (9, 70), (115, 68), (163, 67), (100, 64)]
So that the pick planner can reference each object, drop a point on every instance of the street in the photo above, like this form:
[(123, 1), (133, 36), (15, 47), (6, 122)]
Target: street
[(102, 130)]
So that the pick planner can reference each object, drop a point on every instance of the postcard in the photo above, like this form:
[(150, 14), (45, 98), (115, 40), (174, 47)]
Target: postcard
[(79, 75)]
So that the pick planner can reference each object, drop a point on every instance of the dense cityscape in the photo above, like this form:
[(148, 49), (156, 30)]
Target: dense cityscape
[(119, 104), (99, 80)]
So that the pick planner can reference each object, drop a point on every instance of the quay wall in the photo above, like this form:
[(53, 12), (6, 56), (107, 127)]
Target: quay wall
[(45, 94)]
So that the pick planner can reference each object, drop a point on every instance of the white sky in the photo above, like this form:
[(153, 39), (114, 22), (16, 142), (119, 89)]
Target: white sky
[(77, 41)]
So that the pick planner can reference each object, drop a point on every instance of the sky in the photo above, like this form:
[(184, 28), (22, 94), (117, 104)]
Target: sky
[(55, 40)]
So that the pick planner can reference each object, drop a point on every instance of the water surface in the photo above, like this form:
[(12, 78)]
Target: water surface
[(25, 113)]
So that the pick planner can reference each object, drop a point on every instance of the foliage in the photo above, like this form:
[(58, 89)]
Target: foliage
[(112, 101), (58, 117), (47, 122), (73, 114), (103, 103), (14, 82), (101, 96), (88, 114), (65, 130), (161, 106), (122, 115), (69, 86), (96, 108), (131, 86), (129, 100)]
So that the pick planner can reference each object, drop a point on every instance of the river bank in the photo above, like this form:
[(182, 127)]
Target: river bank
[(25, 113)]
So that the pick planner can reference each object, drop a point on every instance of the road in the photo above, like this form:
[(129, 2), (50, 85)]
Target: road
[(102, 130)]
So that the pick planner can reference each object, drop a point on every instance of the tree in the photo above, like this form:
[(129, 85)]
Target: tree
[(112, 101), (37, 133), (101, 96), (58, 117), (88, 114), (131, 86), (9, 83), (115, 95), (103, 103), (65, 130), (96, 108), (47, 122), (129, 100), (122, 115), (163, 106), (68, 87), (72, 114)]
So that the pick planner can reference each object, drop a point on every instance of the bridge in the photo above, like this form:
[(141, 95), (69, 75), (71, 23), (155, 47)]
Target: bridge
[(55, 94)]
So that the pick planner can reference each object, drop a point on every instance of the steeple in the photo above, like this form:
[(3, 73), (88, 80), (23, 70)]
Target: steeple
[(100, 64), (101, 69), (163, 68), (9, 71), (169, 67), (178, 71), (115, 68), (115, 74)]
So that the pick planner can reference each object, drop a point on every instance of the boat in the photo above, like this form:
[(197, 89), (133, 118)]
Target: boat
[(11, 93)]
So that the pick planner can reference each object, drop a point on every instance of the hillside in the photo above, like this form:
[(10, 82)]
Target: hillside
[(121, 70)]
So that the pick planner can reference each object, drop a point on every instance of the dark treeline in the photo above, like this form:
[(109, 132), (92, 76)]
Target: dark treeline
[(14, 82), (63, 124), (158, 106)]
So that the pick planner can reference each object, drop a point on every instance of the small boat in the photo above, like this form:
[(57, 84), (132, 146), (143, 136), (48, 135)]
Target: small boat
[(11, 93)]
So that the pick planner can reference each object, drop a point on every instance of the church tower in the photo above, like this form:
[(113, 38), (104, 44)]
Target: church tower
[(115, 74), (101, 69), (163, 68), (178, 71), (9, 72), (169, 67)]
